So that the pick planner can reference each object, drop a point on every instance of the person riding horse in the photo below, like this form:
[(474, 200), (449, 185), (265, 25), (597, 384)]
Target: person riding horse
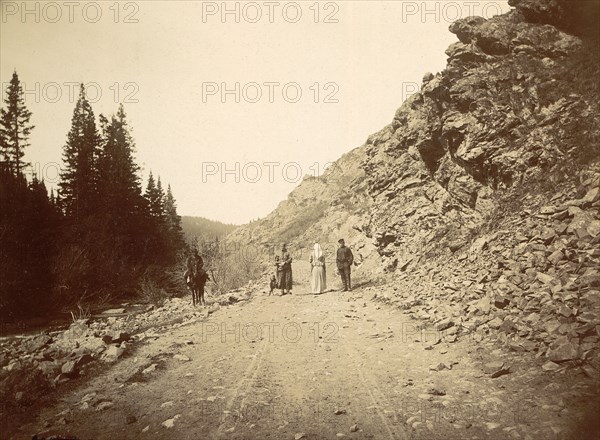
[(196, 277)]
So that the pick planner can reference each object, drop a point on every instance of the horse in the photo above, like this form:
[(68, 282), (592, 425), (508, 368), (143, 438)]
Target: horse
[(196, 279)]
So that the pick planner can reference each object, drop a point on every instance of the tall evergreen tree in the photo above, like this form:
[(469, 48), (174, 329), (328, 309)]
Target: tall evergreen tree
[(28, 227), (42, 222), (154, 197), (164, 224), (14, 126), (119, 182), (161, 198), (79, 178), (173, 221), (120, 201)]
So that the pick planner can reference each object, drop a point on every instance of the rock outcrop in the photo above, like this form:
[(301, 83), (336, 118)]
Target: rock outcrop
[(507, 109), (481, 197), (486, 185)]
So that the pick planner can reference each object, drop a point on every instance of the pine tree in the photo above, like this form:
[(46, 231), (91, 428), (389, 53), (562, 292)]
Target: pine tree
[(173, 221), (119, 183), (154, 195), (79, 179), (161, 197), (29, 225), (122, 207), (14, 126)]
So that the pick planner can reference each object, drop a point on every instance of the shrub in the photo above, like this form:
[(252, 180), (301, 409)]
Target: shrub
[(229, 265), (151, 292)]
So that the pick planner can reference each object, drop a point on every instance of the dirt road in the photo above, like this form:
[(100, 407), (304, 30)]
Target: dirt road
[(336, 365)]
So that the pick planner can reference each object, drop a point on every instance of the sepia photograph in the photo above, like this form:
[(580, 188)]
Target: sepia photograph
[(311, 219)]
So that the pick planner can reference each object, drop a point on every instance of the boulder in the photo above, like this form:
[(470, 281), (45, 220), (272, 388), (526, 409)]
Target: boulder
[(564, 311), (589, 280), (115, 337), (593, 228), (556, 257), (465, 28), (118, 311), (495, 323), (69, 369), (83, 360), (14, 365), (501, 301), (465, 53), (496, 369), (592, 196), (444, 324), (507, 326), (61, 378), (4, 359), (580, 221), (439, 367), (563, 351), (545, 278), (37, 342), (539, 11), (149, 369), (113, 353), (49, 369), (78, 329)]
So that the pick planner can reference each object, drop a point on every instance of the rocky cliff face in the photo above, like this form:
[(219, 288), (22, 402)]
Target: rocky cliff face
[(485, 187), (517, 99), (482, 197), (508, 107)]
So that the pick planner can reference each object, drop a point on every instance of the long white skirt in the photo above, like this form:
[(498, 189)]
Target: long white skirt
[(318, 280)]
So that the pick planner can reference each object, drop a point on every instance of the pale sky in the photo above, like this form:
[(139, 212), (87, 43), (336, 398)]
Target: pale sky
[(164, 58)]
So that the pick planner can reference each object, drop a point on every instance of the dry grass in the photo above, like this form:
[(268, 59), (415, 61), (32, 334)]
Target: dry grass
[(82, 313)]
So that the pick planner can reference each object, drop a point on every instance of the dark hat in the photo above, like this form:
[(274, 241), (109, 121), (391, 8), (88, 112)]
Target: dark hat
[(341, 241)]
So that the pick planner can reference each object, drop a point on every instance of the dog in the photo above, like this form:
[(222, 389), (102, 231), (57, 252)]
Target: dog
[(273, 284)]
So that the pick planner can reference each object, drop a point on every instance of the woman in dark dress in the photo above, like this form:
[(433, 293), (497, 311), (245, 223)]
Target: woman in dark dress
[(286, 271), (278, 272)]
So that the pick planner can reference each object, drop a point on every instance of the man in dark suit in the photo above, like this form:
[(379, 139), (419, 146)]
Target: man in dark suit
[(344, 262)]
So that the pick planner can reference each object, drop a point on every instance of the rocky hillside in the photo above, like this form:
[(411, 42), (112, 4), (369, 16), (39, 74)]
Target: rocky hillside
[(481, 197), (517, 101), (485, 187), (324, 208)]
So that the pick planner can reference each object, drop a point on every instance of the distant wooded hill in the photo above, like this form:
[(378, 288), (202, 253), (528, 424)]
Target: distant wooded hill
[(203, 227)]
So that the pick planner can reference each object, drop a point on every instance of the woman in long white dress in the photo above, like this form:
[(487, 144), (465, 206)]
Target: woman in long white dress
[(318, 279)]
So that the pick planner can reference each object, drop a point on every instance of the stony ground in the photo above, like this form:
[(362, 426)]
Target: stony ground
[(315, 367)]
